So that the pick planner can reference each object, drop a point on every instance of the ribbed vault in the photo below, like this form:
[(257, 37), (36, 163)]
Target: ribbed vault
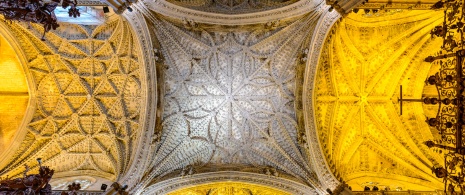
[(232, 6), (229, 188), (89, 105), (226, 106), (362, 64), (228, 102)]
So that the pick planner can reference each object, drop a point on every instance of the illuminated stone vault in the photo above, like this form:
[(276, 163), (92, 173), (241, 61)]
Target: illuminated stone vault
[(183, 97), (362, 64), (228, 188), (229, 99), (86, 113), (14, 95)]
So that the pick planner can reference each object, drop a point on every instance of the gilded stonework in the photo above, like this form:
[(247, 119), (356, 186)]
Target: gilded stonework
[(229, 99), (362, 65), (224, 97), (229, 188), (14, 95), (233, 6), (88, 100)]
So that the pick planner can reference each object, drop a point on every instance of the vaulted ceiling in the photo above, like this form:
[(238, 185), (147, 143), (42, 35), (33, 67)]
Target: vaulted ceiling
[(364, 61), (228, 99), (179, 94), (13, 95), (224, 101), (233, 6), (229, 188), (85, 114)]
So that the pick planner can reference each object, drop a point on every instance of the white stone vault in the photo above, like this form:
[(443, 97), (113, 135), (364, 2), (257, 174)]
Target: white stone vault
[(88, 99), (228, 99)]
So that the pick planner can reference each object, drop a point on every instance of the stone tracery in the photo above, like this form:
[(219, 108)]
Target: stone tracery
[(356, 93), (229, 98), (87, 117), (222, 86), (90, 94), (229, 189), (232, 6)]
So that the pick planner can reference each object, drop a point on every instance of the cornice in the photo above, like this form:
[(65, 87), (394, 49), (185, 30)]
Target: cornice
[(90, 3), (91, 129), (409, 6), (314, 147), (181, 13), (31, 107), (140, 160), (178, 183)]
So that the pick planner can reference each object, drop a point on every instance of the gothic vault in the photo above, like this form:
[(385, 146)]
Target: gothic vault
[(85, 112), (222, 97), (356, 105)]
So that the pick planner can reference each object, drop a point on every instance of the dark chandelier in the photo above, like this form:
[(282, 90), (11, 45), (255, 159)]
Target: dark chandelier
[(450, 85), (37, 11), (29, 183)]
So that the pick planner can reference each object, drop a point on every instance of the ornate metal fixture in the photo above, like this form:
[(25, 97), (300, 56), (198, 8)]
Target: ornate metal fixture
[(29, 184), (73, 189), (37, 11), (449, 82)]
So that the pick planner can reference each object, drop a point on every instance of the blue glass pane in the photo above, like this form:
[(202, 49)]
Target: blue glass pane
[(89, 15)]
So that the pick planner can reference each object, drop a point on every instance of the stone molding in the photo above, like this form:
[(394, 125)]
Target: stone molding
[(178, 183), (77, 113), (181, 13), (315, 150), (90, 3), (31, 107), (409, 6), (344, 6), (237, 7), (141, 158)]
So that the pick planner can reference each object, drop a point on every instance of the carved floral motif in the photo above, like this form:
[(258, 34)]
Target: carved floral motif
[(88, 99), (274, 184), (232, 6), (229, 97), (356, 90), (313, 146)]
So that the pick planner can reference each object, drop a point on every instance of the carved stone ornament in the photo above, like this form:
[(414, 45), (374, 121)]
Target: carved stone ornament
[(230, 18), (354, 100), (413, 5), (228, 98), (88, 99), (344, 6), (232, 6), (285, 185), (320, 165), (150, 131)]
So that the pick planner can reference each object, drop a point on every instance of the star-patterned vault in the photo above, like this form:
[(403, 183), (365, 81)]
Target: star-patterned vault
[(362, 65), (229, 99), (88, 102)]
